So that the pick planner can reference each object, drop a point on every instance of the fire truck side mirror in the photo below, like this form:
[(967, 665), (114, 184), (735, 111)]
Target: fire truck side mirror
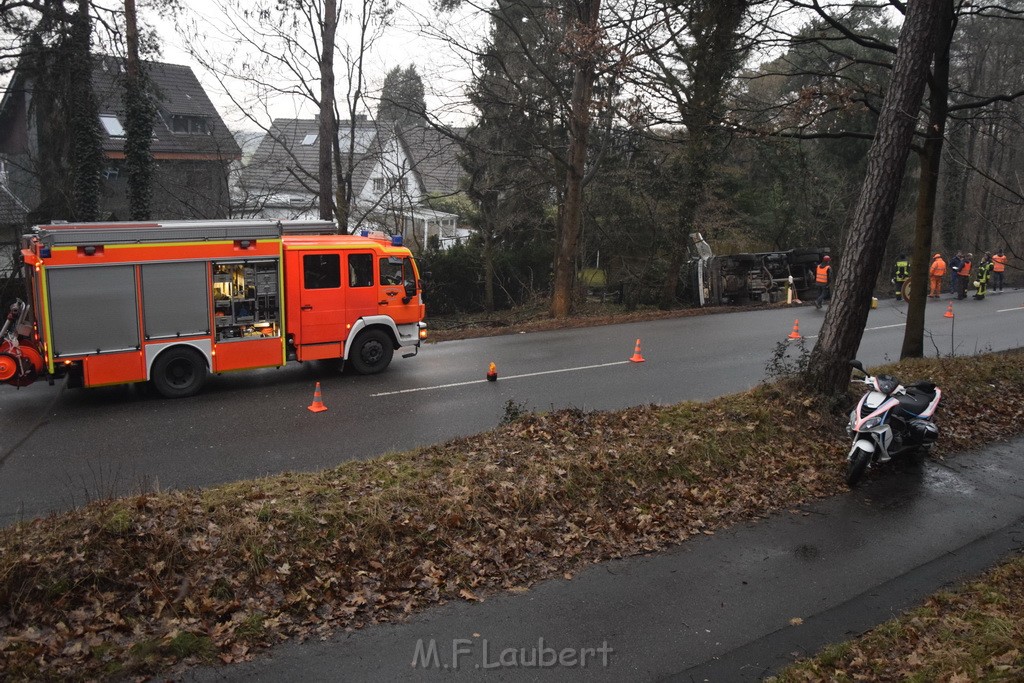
[(410, 291)]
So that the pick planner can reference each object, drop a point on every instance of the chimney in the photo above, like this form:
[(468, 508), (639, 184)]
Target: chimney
[(361, 118)]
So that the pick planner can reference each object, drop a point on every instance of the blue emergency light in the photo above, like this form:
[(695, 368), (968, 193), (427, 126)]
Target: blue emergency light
[(396, 240)]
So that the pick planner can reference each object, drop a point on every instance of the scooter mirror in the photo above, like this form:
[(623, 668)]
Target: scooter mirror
[(857, 365)]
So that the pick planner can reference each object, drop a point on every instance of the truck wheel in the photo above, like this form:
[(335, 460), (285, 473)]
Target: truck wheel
[(371, 352), (179, 372)]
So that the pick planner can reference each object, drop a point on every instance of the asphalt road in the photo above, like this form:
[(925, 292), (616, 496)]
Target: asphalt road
[(65, 447)]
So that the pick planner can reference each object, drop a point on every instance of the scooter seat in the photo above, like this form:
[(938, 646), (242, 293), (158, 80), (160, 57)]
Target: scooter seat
[(917, 400)]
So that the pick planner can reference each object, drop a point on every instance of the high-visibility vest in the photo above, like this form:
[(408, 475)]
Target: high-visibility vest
[(999, 262), (938, 268), (902, 270), (821, 274), (965, 269)]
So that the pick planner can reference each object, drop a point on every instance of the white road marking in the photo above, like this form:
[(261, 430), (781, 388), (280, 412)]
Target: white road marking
[(503, 379), (866, 329), (1004, 310)]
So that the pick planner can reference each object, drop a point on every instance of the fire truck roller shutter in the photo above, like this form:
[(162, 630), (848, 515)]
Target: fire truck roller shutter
[(93, 309), (175, 299)]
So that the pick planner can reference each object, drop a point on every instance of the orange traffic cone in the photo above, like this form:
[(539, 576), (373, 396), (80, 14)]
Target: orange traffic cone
[(949, 311), (317, 406), (795, 334), (492, 373), (637, 358)]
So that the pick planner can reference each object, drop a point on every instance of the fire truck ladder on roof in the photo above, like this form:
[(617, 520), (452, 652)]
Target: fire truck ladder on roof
[(176, 231)]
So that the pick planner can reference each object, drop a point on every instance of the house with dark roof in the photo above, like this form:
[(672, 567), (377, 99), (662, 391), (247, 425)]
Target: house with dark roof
[(13, 219), (396, 171), (192, 147)]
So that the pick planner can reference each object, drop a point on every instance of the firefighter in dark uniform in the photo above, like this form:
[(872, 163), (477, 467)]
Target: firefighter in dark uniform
[(982, 275), (901, 274)]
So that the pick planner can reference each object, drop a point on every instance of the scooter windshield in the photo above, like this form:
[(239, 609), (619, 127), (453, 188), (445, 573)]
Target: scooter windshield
[(886, 384)]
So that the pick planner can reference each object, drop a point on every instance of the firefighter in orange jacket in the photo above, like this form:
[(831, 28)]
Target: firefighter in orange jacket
[(964, 277), (823, 278), (998, 266), (936, 272)]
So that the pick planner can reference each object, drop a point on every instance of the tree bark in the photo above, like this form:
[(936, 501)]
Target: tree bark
[(328, 129), (828, 370), (928, 183), (571, 221)]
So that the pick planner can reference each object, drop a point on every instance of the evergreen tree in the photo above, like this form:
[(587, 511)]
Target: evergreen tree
[(139, 114), (87, 140), (56, 64), (402, 97), (509, 175)]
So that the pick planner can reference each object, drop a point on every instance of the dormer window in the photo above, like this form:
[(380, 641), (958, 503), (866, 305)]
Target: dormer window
[(112, 125), (189, 125)]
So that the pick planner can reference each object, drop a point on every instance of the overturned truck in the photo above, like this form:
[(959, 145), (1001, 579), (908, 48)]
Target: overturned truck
[(763, 277)]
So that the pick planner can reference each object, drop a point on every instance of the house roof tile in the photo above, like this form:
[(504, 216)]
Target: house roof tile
[(287, 159), (12, 211), (283, 164), (178, 93)]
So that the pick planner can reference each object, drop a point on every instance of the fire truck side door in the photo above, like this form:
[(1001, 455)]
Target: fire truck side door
[(395, 273), (362, 292), (321, 299)]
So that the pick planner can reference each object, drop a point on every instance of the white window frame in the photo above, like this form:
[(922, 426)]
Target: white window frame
[(112, 124)]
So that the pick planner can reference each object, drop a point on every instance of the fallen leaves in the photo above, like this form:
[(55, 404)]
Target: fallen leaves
[(205, 575)]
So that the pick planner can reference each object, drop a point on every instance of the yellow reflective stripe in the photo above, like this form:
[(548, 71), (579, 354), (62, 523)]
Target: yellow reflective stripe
[(281, 302), (45, 313)]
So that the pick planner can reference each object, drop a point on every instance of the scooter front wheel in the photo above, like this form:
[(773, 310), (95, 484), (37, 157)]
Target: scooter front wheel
[(857, 466)]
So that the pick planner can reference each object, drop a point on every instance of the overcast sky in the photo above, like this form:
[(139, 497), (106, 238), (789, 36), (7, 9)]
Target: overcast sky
[(408, 41)]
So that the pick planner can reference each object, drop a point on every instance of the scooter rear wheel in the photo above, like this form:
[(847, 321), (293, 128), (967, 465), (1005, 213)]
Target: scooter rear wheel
[(857, 466)]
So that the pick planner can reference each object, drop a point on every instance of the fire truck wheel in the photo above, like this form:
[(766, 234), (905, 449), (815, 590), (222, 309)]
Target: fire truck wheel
[(179, 372), (371, 352)]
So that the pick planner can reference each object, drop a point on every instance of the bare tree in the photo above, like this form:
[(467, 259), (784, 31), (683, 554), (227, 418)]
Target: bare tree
[(283, 55), (328, 126)]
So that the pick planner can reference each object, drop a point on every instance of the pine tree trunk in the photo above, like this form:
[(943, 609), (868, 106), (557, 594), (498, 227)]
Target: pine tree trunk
[(928, 185), (864, 248)]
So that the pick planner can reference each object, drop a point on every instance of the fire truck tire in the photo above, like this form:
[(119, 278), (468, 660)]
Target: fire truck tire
[(179, 372), (372, 352)]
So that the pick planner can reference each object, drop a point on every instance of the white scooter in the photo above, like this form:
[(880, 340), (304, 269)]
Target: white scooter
[(889, 420)]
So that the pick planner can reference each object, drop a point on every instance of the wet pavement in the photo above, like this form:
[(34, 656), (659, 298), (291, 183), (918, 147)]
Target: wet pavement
[(730, 607)]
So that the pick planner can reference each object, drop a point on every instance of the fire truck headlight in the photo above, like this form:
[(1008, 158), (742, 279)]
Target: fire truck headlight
[(423, 333)]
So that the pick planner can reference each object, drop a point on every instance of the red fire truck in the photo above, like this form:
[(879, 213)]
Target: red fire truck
[(171, 302)]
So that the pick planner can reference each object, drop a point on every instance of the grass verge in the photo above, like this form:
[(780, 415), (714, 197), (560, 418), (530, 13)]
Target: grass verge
[(133, 586), (974, 633)]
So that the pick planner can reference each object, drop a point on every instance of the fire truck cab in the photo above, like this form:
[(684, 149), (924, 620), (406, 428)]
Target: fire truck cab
[(171, 302)]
